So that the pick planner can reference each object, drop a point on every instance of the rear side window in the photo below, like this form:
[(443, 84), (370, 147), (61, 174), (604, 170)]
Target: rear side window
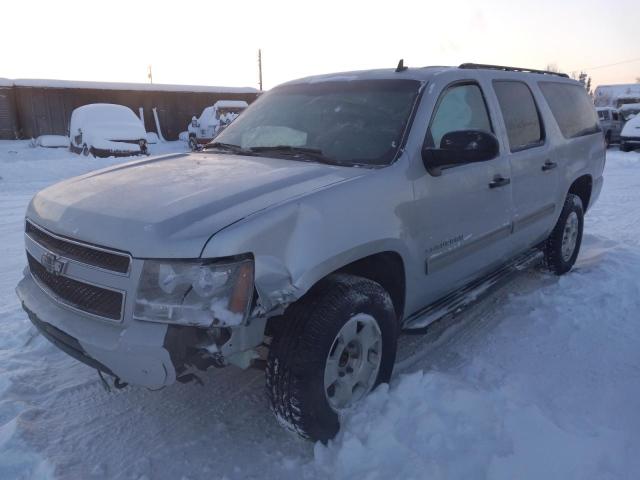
[(571, 107), (603, 114), (461, 107), (520, 114)]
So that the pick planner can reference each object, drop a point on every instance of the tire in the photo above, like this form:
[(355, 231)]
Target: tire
[(563, 245), (624, 147), (307, 338), (607, 140), (193, 143), (85, 150)]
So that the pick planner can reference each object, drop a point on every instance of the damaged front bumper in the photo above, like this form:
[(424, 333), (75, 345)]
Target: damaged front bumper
[(148, 354)]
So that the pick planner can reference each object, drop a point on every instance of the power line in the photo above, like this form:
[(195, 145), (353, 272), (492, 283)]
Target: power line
[(612, 64)]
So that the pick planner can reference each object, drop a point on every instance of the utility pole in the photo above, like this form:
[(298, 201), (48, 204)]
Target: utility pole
[(149, 74), (260, 68)]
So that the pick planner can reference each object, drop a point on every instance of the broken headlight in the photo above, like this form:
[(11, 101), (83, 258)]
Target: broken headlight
[(197, 293)]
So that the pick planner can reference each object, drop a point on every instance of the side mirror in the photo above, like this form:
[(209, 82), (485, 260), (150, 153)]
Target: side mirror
[(459, 148)]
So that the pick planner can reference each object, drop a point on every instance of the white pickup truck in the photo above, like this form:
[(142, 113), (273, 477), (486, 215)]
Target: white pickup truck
[(213, 120)]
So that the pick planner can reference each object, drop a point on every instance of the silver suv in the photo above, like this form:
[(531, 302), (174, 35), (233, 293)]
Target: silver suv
[(336, 212)]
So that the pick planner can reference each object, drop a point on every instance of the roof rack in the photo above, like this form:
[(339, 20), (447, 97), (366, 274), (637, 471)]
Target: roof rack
[(478, 66)]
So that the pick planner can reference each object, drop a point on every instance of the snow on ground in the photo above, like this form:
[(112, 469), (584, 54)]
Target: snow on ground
[(541, 380)]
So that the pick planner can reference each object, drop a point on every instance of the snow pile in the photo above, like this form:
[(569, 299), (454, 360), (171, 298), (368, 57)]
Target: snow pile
[(51, 141)]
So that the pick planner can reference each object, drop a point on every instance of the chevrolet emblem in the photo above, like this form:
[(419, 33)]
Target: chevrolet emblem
[(53, 264)]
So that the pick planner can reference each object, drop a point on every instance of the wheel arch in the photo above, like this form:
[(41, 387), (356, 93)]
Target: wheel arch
[(582, 187)]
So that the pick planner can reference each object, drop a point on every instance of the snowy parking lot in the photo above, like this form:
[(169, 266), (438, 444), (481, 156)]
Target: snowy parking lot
[(539, 381)]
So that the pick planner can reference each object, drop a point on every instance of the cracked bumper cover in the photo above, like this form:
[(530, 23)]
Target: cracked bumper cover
[(135, 352)]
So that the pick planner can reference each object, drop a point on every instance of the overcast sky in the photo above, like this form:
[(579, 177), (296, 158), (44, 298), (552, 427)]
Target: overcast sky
[(215, 42)]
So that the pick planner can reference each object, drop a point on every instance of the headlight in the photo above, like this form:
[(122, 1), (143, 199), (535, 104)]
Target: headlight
[(197, 293)]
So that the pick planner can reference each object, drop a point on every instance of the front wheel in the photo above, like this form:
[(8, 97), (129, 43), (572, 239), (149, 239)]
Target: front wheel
[(330, 350), (563, 245), (193, 143)]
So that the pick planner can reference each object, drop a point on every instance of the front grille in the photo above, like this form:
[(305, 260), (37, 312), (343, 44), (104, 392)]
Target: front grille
[(114, 261), (88, 298)]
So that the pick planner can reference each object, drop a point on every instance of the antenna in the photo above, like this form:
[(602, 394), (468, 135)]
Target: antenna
[(260, 68), (401, 67)]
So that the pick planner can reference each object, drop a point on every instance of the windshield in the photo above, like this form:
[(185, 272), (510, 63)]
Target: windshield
[(348, 122)]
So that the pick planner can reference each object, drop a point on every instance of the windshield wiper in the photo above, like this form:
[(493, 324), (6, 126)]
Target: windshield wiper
[(314, 154), (229, 147)]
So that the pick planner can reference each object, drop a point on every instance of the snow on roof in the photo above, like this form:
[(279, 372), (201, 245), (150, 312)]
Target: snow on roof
[(606, 95), (28, 82), (231, 104)]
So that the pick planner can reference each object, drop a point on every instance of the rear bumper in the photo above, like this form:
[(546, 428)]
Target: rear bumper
[(136, 352)]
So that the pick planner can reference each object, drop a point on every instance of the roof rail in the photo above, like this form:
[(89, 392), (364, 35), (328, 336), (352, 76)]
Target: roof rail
[(478, 66)]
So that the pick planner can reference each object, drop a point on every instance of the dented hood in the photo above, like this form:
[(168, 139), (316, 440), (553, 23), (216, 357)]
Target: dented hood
[(168, 207)]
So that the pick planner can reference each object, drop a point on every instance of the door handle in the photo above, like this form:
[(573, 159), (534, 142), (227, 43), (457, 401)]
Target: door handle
[(549, 165), (499, 181)]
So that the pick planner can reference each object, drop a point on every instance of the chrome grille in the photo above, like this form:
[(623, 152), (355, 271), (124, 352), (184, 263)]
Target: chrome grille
[(90, 255), (79, 295)]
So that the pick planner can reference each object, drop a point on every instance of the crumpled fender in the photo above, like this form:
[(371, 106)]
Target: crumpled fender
[(295, 244)]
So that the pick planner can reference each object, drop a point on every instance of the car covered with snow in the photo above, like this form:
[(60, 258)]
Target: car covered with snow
[(213, 120), (335, 213), (630, 135), (611, 123), (105, 130)]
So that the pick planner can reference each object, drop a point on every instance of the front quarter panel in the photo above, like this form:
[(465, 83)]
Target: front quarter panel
[(299, 242)]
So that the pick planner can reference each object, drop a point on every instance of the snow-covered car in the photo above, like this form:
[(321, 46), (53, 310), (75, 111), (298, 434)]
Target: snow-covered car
[(105, 130), (336, 212), (611, 123), (630, 136), (213, 120)]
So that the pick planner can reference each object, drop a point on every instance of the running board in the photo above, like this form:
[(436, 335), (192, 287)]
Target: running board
[(457, 301)]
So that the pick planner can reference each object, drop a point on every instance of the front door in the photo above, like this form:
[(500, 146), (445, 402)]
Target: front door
[(466, 209)]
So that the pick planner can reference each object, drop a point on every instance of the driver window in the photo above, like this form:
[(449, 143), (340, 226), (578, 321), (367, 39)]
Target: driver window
[(461, 107)]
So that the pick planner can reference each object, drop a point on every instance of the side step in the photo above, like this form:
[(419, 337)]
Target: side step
[(457, 301)]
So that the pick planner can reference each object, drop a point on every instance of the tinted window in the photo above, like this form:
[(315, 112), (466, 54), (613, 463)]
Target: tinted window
[(358, 121), (461, 107), (615, 116), (603, 114), (571, 107), (520, 114)]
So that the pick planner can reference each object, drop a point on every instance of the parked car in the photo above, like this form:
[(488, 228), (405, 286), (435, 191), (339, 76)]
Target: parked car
[(334, 213), (630, 136), (611, 123), (105, 130), (213, 120)]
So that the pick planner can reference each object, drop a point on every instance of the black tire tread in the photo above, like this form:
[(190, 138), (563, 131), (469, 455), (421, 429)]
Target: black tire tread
[(293, 346)]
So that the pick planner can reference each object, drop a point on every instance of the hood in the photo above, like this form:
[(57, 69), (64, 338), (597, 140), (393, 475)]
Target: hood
[(168, 207)]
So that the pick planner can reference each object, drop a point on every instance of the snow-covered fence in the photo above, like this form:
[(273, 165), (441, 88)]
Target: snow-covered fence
[(44, 106)]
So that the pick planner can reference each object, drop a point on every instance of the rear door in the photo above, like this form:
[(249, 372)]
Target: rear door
[(534, 174)]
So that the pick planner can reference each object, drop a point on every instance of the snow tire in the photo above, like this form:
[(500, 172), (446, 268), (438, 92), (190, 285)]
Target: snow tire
[(301, 344), (553, 248)]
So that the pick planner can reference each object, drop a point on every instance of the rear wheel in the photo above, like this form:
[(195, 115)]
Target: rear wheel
[(193, 143), (563, 245), (330, 350), (85, 150), (607, 139), (624, 147)]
